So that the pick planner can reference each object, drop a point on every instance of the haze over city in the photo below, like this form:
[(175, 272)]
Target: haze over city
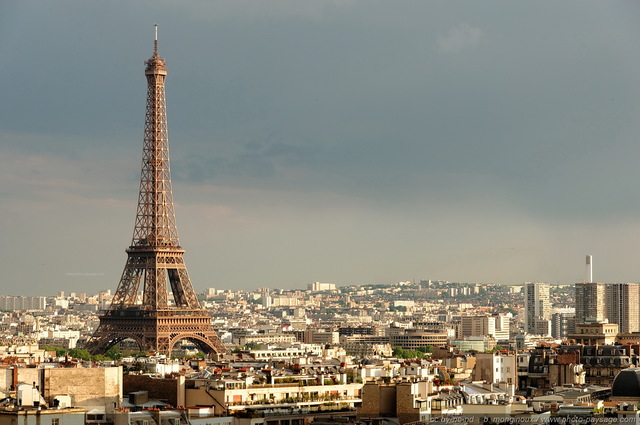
[(335, 141)]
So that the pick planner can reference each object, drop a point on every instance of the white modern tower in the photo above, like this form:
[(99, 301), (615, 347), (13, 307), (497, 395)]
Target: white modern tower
[(537, 308)]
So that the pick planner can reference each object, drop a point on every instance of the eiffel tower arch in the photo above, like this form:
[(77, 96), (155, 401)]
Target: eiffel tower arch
[(155, 303)]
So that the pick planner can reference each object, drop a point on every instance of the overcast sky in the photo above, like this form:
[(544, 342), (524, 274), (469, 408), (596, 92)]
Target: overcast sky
[(353, 142)]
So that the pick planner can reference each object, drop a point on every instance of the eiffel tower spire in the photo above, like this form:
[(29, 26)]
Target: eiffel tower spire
[(168, 310)]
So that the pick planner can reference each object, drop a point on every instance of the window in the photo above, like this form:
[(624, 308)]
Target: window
[(55, 421)]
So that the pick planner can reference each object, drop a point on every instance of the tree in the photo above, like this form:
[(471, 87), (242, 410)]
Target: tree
[(59, 350), (426, 349), (495, 349), (80, 353), (251, 346), (113, 353), (399, 308), (401, 353)]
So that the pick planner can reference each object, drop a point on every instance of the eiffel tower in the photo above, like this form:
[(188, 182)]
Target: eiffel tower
[(142, 308)]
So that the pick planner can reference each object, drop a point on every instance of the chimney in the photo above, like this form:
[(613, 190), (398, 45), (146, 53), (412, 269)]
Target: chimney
[(589, 269), (14, 378)]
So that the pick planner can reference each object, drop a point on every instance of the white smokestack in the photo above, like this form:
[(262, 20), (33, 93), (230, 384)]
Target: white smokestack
[(589, 269)]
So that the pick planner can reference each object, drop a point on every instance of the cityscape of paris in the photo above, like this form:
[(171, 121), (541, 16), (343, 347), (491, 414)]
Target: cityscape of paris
[(390, 212)]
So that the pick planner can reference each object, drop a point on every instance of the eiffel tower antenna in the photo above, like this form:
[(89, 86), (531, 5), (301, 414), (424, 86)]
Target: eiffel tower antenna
[(143, 308)]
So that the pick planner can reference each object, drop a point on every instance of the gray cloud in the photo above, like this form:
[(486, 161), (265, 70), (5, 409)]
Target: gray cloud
[(459, 37), (354, 141)]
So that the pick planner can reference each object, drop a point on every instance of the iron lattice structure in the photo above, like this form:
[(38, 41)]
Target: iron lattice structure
[(143, 308)]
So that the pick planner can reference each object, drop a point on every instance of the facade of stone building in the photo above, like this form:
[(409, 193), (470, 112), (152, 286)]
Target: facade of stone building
[(171, 390), (602, 363), (551, 367), (69, 416), (89, 388), (594, 333), (227, 396), (407, 401), (496, 368), (414, 338)]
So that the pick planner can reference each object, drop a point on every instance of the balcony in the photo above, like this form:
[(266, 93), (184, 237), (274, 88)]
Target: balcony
[(255, 412), (314, 404)]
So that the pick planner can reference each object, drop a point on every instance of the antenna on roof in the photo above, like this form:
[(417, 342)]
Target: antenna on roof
[(155, 43)]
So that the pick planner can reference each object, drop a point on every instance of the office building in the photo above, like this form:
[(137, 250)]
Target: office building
[(537, 307), (563, 324), (623, 305), (478, 326), (590, 302)]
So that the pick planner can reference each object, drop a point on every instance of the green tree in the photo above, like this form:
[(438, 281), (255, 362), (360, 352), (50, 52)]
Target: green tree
[(59, 350), (495, 349), (113, 353), (426, 349), (80, 353), (401, 353), (252, 346)]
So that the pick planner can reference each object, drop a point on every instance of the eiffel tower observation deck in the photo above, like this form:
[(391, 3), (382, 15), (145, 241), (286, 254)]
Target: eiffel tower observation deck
[(155, 303)]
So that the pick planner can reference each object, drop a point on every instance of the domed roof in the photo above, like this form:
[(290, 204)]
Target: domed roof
[(627, 383)]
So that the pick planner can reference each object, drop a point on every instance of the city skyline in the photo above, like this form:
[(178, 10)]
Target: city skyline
[(348, 142)]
